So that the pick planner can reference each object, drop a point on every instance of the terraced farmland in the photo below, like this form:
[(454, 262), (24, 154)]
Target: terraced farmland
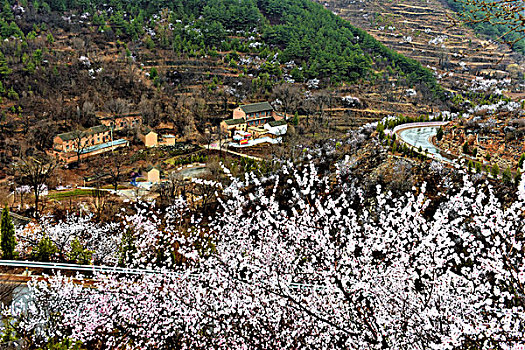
[(424, 30)]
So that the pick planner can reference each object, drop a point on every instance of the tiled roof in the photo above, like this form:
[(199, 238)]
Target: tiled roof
[(257, 107), (277, 122), (67, 136), (234, 121), (150, 168)]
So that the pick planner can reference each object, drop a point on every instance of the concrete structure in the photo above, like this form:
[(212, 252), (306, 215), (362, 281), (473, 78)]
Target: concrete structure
[(122, 122)]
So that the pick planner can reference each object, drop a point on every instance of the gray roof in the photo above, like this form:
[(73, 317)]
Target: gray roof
[(151, 167), (257, 107), (277, 122), (75, 134), (235, 121)]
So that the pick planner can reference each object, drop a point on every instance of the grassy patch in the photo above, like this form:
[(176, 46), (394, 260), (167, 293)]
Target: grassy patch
[(70, 194)]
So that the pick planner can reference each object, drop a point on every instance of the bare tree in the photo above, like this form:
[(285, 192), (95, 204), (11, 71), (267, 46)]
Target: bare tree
[(509, 13), (289, 95), (171, 189), (79, 142), (113, 166), (117, 106), (36, 172), (86, 113)]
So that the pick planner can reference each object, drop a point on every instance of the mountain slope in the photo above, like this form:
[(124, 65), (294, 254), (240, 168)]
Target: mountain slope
[(424, 31)]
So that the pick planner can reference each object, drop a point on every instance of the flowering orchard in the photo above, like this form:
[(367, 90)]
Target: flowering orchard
[(302, 260)]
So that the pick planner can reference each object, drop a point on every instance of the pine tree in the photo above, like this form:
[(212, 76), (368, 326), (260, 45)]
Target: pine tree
[(495, 171), (127, 248), (520, 163), (507, 176), (517, 178), (7, 235), (4, 69), (439, 135), (45, 250)]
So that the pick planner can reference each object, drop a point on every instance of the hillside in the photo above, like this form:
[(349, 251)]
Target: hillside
[(184, 65), (493, 27), (424, 31)]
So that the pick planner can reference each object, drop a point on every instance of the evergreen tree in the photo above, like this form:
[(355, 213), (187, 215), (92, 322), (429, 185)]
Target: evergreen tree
[(507, 176), (495, 171), (517, 178), (44, 251), (4, 69), (78, 254), (7, 235), (520, 162), (478, 167), (439, 135), (127, 248), (295, 120)]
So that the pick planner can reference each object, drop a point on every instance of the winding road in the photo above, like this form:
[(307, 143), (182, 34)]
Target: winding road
[(420, 135)]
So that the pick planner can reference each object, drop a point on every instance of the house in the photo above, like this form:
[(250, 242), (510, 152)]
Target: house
[(153, 139), (167, 140), (121, 122), (272, 132), (152, 174), (73, 140), (276, 128), (70, 146), (231, 125), (255, 114), (251, 115)]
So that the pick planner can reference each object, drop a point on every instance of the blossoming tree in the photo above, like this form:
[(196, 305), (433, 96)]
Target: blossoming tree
[(304, 260)]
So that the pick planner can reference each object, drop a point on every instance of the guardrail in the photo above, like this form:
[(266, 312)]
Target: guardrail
[(123, 270), (82, 268)]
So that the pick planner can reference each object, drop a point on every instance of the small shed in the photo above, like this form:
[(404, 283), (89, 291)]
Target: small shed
[(168, 140), (149, 137), (152, 174)]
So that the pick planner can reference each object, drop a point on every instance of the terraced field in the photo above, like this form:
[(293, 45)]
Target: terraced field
[(424, 30)]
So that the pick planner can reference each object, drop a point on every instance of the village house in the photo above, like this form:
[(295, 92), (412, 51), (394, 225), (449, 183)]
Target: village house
[(127, 121), (254, 115), (153, 139), (67, 146), (149, 137), (152, 174), (73, 140)]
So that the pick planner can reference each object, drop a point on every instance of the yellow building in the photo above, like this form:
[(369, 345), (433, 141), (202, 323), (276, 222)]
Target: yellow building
[(152, 174), (150, 138)]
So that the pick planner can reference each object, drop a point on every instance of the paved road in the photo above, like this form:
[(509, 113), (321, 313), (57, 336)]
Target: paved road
[(420, 134), (215, 146)]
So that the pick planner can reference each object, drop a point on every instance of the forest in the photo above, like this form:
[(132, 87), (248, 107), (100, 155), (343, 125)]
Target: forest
[(322, 44)]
